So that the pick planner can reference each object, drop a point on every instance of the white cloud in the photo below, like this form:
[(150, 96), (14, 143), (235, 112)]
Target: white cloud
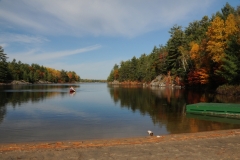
[(20, 38), (105, 17), (33, 56)]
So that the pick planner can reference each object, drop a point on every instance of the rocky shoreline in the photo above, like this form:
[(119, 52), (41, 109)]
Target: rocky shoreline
[(159, 81), (170, 81), (22, 82)]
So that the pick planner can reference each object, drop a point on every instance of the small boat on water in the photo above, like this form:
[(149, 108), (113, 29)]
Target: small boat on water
[(72, 89)]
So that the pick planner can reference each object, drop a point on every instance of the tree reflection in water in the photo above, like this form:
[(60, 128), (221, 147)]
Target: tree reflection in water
[(15, 95), (166, 106)]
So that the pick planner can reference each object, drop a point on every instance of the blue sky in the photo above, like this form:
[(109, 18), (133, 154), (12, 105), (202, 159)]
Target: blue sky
[(90, 36)]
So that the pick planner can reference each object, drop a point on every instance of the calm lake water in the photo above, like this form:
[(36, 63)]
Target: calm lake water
[(38, 113)]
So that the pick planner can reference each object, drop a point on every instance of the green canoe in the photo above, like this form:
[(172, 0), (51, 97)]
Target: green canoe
[(222, 109)]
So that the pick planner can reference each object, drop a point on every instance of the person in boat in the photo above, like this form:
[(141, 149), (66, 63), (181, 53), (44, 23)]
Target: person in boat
[(72, 89)]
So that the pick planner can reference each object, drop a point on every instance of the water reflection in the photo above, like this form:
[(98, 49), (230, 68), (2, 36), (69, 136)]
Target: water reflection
[(166, 106), (50, 113), (15, 95)]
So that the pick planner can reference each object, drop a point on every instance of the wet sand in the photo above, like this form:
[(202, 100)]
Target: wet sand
[(223, 144)]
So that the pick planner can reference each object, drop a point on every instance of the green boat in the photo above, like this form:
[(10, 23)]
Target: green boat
[(221, 109)]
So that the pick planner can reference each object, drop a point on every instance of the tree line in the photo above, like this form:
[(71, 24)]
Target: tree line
[(206, 52), (32, 73)]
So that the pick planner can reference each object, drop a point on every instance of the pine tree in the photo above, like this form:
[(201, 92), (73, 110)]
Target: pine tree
[(228, 69), (174, 58), (227, 10), (3, 65)]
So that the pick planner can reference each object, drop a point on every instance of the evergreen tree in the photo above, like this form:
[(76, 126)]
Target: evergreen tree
[(233, 57), (229, 69), (64, 76), (133, 69), (142, 68), (196, 31), (3, 65), (226, 10), (177, 40), (124, 71), (110, 77), (115, 72)]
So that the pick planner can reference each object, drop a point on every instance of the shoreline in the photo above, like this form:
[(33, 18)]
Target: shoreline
[(21, 82), (84, 144)]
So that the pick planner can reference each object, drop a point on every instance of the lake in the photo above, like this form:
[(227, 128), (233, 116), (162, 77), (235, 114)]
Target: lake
[(39, 113)]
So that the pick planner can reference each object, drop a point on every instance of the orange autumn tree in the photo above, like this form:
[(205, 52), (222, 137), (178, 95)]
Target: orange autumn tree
[(70, 76), (199, 73), (198, 76), (73, 77)]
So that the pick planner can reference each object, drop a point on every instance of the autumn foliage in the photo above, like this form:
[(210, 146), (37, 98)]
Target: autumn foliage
[(207, 52), (197, 77), (34, 72)]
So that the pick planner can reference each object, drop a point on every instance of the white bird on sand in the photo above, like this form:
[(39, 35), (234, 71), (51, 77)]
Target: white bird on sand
[(150, 133)]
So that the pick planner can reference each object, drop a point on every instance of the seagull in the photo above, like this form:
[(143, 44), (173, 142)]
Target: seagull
[(150, 133)]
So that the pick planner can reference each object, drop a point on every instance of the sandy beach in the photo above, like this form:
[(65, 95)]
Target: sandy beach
[(223, 144)]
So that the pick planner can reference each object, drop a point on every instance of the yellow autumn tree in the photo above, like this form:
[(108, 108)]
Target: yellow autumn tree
[(55, 73), (195, 54), (70, 75), (216, 43), (218, 34), (230, 26)]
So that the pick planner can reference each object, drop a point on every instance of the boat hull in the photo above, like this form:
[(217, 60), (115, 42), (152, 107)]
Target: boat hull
[(72, 90), (222, 109)]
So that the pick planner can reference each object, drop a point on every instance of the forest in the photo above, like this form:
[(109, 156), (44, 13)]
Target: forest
[(205, 53), (32, 73)]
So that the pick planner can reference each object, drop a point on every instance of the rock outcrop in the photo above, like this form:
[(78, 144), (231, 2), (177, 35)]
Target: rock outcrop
[(158, 81), (19, 82)]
